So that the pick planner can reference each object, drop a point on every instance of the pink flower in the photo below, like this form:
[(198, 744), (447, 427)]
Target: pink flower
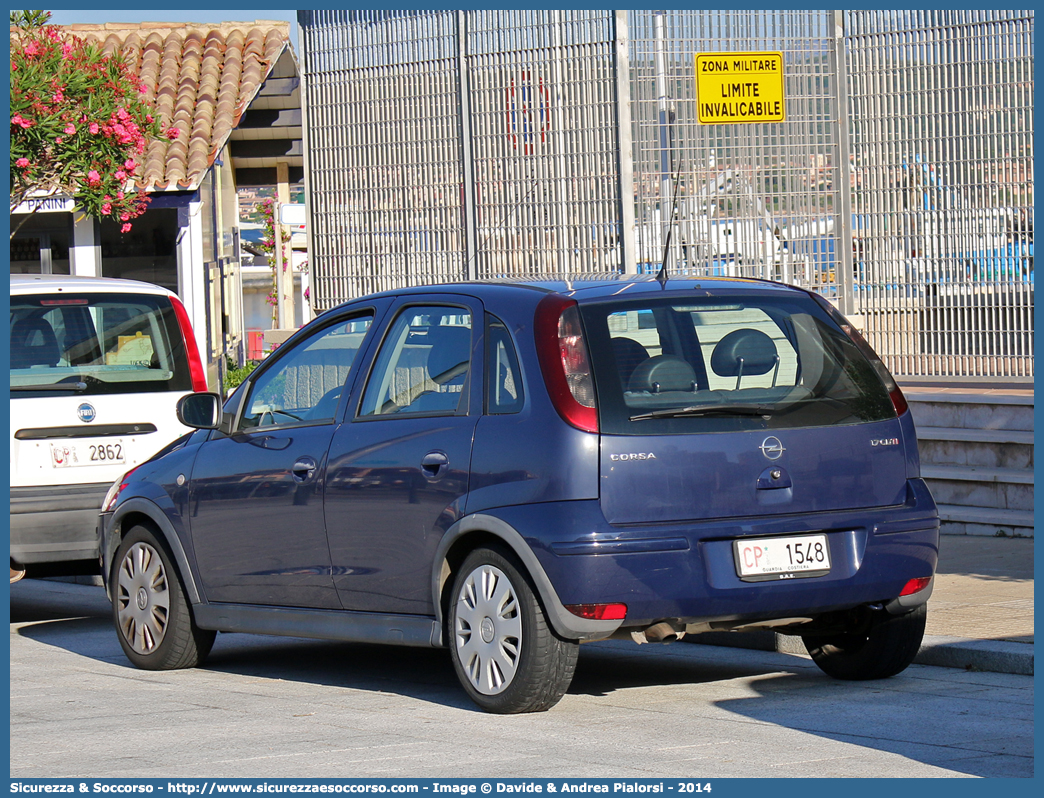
[(66, 49), (106, 208), (22, 163), (125, 229), (57, 97), (94, 128), (25, 124), (125, 217), (121, 175), (70, 129), (93, 177), (173, 133), (32, 49), (130, 165)]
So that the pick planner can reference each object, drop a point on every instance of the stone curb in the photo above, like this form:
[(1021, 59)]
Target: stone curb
[(992, 656)]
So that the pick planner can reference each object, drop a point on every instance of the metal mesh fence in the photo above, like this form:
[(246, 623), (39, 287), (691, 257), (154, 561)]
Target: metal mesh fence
[(543, 122), (942, 171), (451, 145), (753, 200), (384, 151)]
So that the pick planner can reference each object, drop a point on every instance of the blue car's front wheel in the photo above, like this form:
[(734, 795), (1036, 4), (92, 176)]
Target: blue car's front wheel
[(504, 651), (153, 619)]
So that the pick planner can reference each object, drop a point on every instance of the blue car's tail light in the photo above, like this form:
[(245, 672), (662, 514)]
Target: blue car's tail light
[(599, 612), (564, 362), (916, 585)]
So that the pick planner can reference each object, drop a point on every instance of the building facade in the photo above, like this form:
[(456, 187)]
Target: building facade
[(233, 92)]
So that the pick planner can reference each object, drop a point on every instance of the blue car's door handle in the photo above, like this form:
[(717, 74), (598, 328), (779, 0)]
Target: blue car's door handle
[(304, 469), (433, 462)]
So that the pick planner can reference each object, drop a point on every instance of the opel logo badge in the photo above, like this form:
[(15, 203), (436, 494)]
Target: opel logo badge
[(86, 412), (487, 630), (772, 447)]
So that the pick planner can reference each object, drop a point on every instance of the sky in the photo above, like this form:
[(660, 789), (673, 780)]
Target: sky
[(74, 16)]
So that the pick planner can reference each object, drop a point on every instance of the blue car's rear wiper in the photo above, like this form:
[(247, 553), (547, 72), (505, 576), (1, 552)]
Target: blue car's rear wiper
[(707, 410)]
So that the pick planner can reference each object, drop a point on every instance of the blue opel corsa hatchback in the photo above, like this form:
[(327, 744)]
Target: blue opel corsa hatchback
[(509, 470)]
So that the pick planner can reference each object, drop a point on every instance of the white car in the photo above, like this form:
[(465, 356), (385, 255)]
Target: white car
[(97, 367)]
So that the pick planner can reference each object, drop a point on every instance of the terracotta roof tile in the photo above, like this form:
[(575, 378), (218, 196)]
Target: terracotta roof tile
[(199, 78)]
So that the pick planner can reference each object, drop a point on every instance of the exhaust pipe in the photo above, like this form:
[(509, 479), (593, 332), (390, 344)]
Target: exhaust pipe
[(662, 632), (16, 574)]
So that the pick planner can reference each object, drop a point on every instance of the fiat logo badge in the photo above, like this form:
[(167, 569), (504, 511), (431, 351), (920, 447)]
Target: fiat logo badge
[(772, 447), (86, 412)]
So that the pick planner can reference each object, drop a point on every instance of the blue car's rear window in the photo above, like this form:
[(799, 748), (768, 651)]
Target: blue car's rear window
[(717, 364)]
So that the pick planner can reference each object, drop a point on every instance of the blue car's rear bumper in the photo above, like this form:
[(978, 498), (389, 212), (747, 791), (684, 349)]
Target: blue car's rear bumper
[(688, 572)]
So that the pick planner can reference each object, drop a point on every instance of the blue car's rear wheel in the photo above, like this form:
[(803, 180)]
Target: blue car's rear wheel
[(504, 651), (885, 646), (153, 620)]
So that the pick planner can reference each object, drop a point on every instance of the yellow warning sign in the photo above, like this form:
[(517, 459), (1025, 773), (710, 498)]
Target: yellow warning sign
[(739, 87)]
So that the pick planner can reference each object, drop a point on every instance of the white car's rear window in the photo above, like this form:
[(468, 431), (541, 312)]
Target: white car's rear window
[(106, 343)]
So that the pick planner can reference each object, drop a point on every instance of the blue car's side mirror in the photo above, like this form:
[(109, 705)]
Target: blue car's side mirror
[(200, 410)]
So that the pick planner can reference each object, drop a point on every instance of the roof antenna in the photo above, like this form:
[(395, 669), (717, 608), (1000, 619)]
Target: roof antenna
[(661, 277), (500, 224)]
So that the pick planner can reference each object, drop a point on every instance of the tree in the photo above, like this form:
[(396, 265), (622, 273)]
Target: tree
[(79, 124), (268, 246)]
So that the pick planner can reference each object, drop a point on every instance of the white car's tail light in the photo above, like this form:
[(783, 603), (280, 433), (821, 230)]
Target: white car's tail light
[(199, 376)]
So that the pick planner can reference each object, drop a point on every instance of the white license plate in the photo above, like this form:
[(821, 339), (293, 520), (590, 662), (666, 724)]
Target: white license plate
[(761, 559), (97, 453)]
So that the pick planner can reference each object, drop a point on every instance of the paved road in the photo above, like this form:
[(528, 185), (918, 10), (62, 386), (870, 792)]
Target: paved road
[(268, 707)]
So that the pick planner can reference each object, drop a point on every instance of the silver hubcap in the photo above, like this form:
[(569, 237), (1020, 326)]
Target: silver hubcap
[(143, 601), (488, 630)]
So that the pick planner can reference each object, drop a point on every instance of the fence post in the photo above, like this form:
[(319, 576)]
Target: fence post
[(625, 151), (663, 117), (467, 164), (843, 260)]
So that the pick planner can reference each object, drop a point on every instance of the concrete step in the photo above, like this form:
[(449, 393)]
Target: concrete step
[(979, 410), (1001, 436), (987, 521), (963, 473), (980, 448), (1002, 488), (969, 396)]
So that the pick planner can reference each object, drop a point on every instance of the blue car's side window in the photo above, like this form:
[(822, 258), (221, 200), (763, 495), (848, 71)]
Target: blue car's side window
[(423, 364), (504, 393), (305, 386)]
